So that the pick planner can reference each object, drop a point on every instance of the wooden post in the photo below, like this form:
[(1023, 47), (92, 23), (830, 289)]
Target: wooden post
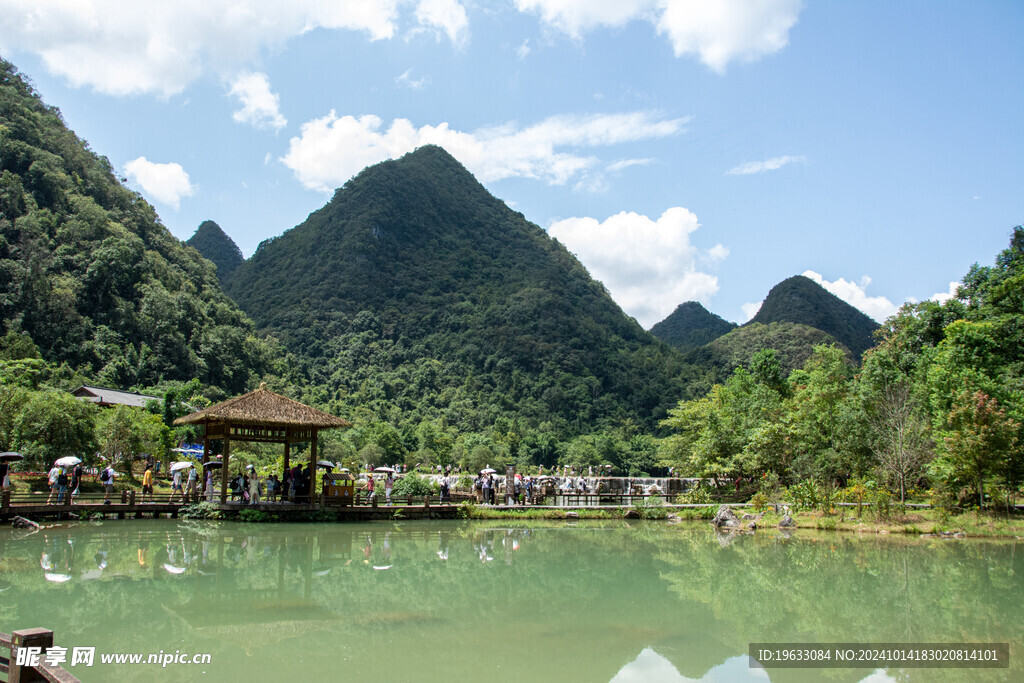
[(124, 497), (29, 637), (202, 469), (224, 468), (131, 497), (5, 500), (312, 467)]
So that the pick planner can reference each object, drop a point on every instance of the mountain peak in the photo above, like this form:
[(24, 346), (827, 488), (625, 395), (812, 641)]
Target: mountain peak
[(690, 326), (215, 246), (799, 299)]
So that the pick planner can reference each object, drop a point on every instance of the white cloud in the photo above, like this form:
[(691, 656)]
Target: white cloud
[(408, 81), (623, 164), (125, 46), (853, 293), (943, 297), (166, 183), (523, 50), (750, 309), (718, 32), (649, 266), (260, 106), (332, 149), (448, 16), (762, 166)]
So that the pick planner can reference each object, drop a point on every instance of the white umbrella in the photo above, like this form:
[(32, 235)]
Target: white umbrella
[(183, 465), (488, 470), (67, 461), (344, 469), (325, 463), (384, 469)]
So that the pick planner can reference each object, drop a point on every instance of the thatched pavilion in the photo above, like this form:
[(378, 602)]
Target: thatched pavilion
[(261, 416)]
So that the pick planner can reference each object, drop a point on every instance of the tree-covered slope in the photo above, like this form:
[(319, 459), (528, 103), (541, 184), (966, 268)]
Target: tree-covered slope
[(88, 271), (216, 247), (801, 300), (416, 292), (691, 326)]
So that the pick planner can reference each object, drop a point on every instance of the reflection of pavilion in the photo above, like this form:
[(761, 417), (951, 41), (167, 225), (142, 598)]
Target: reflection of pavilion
[(260, 416)]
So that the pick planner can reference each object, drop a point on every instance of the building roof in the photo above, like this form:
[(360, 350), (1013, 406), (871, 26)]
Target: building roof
[(264, 407), (113, 397)]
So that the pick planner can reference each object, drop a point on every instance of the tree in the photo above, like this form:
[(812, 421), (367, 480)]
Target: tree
[(979, 440), (899, 435), (124, 433), (54, 424)]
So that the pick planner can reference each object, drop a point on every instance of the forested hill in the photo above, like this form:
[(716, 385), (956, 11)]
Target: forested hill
[(88, 271), (414, 292), (691, 326), (215, 246), (801, 300)]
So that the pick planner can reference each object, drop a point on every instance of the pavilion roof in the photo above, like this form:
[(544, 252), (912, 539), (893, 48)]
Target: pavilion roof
[(264, 407)]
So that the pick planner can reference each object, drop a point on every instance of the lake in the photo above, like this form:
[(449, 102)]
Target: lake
[(442, 601)]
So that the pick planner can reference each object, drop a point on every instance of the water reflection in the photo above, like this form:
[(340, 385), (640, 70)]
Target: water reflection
[(419, 600)]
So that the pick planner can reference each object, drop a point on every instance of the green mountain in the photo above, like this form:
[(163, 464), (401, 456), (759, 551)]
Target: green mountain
[(91, 275), (793, 344), (416, 294), (801, 300), (215, 246), (691, 326)]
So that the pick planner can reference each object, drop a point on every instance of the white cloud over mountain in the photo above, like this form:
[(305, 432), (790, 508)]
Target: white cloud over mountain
[(165, 183), (855, 294), (772, 164), (717, 32), (649, 266), (331, 149)]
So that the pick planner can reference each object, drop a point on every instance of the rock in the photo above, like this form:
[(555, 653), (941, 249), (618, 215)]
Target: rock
[(22, 523), (572, 514), (959, 534), (632, 514), (787, 523), (752, 526), (725, 517)]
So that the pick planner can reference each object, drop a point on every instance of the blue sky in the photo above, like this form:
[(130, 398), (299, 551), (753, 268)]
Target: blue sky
[(683, 149)]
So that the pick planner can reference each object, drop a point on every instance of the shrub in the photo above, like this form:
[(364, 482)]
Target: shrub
[(698, 495), (413, 485), (652, 507), (202, 510)]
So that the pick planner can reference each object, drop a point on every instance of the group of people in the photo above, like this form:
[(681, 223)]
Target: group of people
[(64, 483), (486, 487)]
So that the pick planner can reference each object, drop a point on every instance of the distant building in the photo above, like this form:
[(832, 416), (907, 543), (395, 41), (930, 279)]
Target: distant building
[(106, 398)]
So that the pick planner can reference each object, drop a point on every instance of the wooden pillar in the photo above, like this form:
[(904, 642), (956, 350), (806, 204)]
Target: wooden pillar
[(287, 455), (225, 467), (29, 637), (202, 469), (312, 468)]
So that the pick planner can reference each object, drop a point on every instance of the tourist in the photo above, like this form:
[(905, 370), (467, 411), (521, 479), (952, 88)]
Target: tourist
[(51, 479), (209, 484), (107, 479), (370, 485), (445, 487), (270, 488), (254, 489), (147, 484), (190, 490), (175, 485), (388, 484), (76, 481), (308, 480), (5, 478), (62, 485), (488, 489)]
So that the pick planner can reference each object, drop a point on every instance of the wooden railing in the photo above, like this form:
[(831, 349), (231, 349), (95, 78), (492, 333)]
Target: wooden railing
[(33, 637)]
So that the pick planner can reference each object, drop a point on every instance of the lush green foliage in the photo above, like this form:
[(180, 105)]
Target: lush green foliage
[(90, 275), (215, 246), (801, 300), (691, 326)]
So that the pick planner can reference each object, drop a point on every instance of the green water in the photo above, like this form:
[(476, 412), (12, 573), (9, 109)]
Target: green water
[(442, 601)]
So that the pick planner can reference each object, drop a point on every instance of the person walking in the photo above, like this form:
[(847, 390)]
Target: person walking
[(62, 486), (209, 484), (76, 481), (254, 489), (388, 485), (147, 483), (51, 479), (175, 485), (5, 477), (107, 479), (370, 488), (190, 490)]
